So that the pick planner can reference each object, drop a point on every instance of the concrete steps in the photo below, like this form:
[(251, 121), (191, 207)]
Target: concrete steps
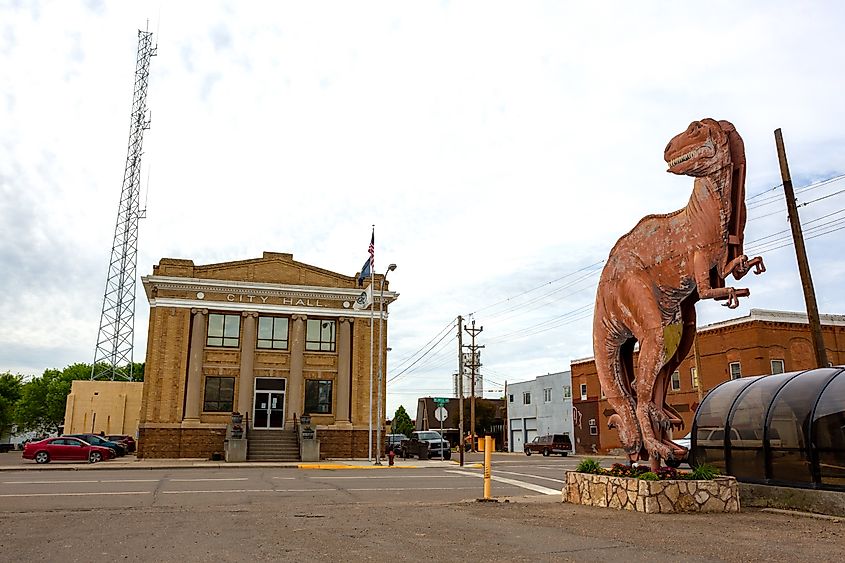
[(272, 445)]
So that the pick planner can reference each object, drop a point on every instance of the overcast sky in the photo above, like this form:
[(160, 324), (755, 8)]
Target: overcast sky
[(500, 149)]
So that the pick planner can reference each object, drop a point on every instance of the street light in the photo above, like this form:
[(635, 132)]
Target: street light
[(379, 416)]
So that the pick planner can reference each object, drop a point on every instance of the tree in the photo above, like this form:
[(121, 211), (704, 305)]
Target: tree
[(402, 423), (10, 394)]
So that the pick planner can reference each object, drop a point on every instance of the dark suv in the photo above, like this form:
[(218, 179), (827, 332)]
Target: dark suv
[(394, 442), (550, 444)]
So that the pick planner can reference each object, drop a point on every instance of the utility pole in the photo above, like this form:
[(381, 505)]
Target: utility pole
[(801, 255), (473, 332), (461, 390)]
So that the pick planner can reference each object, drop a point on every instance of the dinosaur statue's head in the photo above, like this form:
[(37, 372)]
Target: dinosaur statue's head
[(700, 150)]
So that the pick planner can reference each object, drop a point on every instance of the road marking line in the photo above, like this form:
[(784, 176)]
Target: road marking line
[(285, 478), (246, 491), (73, 482), (414, 489), (217, 492), (530, 475), (44, 482), (387, 477), (523, 484), (215, 479), (78, 494)]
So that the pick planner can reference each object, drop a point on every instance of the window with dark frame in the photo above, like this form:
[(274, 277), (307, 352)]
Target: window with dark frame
[(583, 391), (547, 395), (567, 392), (272, 333), (676, 380), (318, 396), (219, 394), (735, 370), (320, 335), (526, 398), (223, 330)]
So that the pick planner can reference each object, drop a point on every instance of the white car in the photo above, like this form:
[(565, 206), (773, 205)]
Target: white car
[(686, 441)]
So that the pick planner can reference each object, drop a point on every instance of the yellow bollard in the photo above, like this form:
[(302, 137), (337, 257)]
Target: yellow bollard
[(488, 458)]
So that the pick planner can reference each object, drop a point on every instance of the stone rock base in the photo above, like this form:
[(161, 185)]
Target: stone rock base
[(626, 493)]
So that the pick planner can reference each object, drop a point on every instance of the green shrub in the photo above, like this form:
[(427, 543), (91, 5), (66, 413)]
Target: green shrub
[(704, 472), (589, 465), (649, 476)]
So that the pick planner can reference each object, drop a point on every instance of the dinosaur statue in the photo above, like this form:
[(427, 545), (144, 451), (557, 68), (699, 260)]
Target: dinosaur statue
[(653, 278)]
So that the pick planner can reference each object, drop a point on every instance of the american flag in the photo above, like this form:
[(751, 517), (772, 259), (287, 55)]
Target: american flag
[(369, 266), (372, 251)]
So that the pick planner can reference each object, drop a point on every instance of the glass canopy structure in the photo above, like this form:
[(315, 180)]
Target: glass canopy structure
[(786, 429)]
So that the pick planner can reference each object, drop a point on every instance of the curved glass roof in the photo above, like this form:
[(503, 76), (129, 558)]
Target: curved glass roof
[(785, 429)]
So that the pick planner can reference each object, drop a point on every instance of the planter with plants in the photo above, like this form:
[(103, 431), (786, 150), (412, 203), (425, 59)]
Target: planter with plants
[(627, 487)]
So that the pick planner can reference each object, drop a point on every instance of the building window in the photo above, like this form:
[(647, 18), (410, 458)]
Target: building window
[(736, 370), (526, 398), (694, 377), (219, 394), (676, 380), (318, 396), (777, 367), (583, 391), (567, 392), (594, 430), (223, 330), (320, 335), (273, 333), (547, 395), (510, 398)]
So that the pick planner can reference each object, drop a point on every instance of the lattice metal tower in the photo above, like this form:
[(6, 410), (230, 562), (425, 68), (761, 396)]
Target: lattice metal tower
[(115, 339)]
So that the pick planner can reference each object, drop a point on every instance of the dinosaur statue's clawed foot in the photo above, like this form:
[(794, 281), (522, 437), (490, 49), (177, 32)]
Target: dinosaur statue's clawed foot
[(629, 434), (657, 449), (660, 418)]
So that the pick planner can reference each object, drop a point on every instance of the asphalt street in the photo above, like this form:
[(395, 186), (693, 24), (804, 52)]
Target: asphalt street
[(437, 481), (416, 510)]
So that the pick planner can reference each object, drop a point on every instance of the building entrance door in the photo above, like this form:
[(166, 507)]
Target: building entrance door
[(269, 404)]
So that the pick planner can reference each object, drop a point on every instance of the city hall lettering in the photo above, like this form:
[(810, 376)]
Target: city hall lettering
[(264, 298)]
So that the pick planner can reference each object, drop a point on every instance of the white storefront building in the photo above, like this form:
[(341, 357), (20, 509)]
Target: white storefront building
[(540, 406)]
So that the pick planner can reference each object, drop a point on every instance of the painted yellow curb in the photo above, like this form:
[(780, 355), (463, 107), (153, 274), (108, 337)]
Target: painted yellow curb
[(343, 466)]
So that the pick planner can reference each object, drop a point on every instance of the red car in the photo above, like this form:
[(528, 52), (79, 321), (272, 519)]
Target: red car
[(64, 449)]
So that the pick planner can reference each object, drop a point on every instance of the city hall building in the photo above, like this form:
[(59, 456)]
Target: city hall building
[(270, 338)]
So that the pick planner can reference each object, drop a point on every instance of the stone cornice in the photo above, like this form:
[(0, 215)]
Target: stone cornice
[(256, 288), (262, 308)]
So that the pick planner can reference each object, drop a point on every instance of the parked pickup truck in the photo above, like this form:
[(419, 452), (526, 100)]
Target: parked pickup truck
[(426, 444)]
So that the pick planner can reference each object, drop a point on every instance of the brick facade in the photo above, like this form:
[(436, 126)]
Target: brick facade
[(754, 342), (183, 365)]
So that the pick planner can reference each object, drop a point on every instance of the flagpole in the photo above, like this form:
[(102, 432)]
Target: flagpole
[(372, 323)]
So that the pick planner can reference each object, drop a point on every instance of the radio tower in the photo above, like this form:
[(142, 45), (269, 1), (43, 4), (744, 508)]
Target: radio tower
[(115, 339)]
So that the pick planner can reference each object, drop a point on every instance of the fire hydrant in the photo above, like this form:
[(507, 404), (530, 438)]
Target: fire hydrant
[(390, 455)]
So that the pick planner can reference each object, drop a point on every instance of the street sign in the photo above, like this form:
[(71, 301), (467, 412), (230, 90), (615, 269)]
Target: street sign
[(440, 414), (440, 401)]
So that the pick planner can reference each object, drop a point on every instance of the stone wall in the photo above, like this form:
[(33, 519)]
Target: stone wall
[(626, 493), (180, 442)]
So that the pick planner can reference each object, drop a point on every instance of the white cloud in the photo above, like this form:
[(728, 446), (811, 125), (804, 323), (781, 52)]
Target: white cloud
[(496, 147)]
